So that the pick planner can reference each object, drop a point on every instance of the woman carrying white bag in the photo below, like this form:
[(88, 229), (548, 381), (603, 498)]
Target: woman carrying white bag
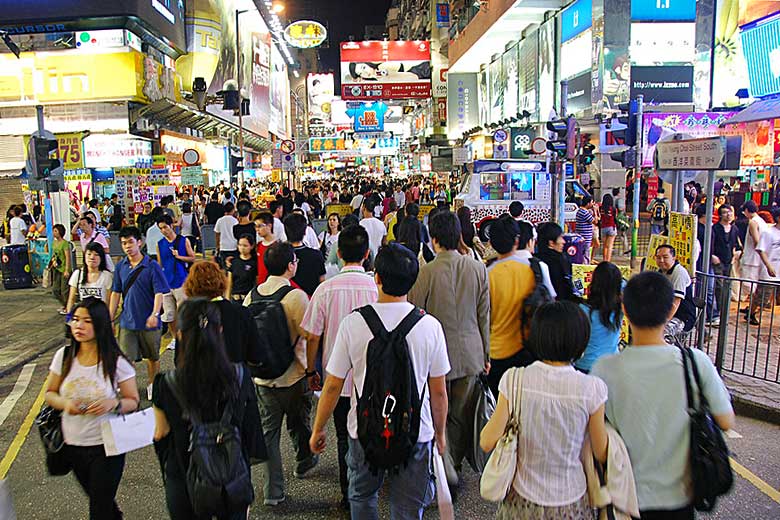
[(92, 381), (548, 407)]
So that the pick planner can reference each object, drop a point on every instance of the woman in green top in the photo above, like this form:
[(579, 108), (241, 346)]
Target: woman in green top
[(60, 267)]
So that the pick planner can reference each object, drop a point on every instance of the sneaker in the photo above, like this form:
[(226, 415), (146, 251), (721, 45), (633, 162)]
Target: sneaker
[(714, 322), (754, 321), (172, 345), (273, 501), (149, 391), (306, 466), (62, 312)]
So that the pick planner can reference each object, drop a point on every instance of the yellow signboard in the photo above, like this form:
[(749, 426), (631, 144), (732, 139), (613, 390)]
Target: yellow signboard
[(305, 34), (682, 237), (74, 75), (582, 275), (342, 209), (424, 210), (70, 149)]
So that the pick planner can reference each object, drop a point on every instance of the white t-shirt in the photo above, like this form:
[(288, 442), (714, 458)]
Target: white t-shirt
[(87, 384), (427, 348), (555, 406), (769, 243), (18, 230), (98, 289), (224, 226), (153, 236), (279, 233), (357, 200), (310, 238), (376, 232)]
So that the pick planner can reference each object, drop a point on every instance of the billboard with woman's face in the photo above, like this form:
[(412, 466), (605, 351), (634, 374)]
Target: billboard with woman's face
[(385, 70)]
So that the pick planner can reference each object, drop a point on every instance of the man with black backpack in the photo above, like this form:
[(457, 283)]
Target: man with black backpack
[(398, 357), (283, 390), (659, 213)]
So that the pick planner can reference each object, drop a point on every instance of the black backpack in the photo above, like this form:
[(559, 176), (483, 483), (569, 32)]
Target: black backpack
[(388, 411), (659, 210), (218, 477), (272, 331), (540, 296)]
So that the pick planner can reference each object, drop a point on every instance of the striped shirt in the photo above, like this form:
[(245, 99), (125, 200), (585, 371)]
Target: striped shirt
[(331, 302), (584, 224)]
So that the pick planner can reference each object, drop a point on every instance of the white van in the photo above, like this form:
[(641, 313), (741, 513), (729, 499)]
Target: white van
[(491, 185)]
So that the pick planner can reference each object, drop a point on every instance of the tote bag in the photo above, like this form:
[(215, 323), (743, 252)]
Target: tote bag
[(500, 470)]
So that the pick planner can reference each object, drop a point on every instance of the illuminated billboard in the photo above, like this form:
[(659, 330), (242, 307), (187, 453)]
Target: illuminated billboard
[(385, 70)]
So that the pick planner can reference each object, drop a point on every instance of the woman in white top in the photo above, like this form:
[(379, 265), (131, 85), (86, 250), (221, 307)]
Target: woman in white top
[(89, 379), (558, 406), (330, 236), (93, 279), (189, 224)]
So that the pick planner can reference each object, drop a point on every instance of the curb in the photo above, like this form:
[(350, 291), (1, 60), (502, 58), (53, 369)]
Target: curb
[(755, 410), (54, 343)]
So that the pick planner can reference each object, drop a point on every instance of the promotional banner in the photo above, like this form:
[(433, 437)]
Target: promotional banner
[(497, 90), (280, 94), (575, 19), (663, 10), (758, 138), (368, 117), (484, 98), (546, 95), (528, 67), (682, 235), (320, 91), (509, 64), (385, 70), (462, 103), (663, 84), (579, 93), (761, 46)]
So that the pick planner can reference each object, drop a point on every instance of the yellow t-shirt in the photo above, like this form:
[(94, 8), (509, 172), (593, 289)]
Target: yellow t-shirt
[(511, 282)]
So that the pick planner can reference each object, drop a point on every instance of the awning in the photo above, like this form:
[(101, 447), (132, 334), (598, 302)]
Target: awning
[(184, 115), (760, 110)]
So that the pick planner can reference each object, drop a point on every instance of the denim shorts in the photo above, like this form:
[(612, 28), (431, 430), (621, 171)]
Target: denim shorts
[(610, 231)]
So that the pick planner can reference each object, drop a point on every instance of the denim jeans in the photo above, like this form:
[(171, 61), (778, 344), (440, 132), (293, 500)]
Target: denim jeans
[(710, 301), (657, 229), (411, 490), (274, 403)]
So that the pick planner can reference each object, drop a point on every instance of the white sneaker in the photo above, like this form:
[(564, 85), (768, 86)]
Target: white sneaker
[(149, 392), (172, 345)]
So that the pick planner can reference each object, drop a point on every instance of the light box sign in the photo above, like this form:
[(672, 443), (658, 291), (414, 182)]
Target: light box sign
[(462, 103), (385, 70), (663, 10), (657, 126), (580, 89), (576, 18), (320, 91), (761, 46), (305, 34), (663, 84), (368, 117)]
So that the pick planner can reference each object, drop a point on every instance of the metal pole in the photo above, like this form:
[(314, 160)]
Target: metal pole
[(240, 99), (637, 182), (561, 205), (706, 254), (46, 199)]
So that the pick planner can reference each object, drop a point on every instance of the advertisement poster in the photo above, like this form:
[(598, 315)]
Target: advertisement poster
[(497, 90), (761, 45), (663, 84), (385, 70), (682, 236), (757, 138), (320, 90), (368, 117), (462, 103), (617, 72), (581, 277), (509, 59), (260, 89), (528, 72), (546, 95), (280, 88), (484, 98), (78, 184), (579, 93)]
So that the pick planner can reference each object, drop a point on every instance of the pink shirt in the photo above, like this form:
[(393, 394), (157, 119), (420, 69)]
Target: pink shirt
[(331, 302), (100, 239)]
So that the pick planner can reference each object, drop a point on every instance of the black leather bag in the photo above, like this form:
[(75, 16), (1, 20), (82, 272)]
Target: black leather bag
[(710, 467), (49, 423), (483, 411)]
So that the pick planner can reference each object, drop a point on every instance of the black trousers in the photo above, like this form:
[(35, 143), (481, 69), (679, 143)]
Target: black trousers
[(686, 513), (178, 501), (99, 477), (498, 366), (342, 441)]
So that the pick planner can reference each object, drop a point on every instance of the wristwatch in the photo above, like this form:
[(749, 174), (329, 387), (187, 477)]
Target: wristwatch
[(309, 374), (118, 407)]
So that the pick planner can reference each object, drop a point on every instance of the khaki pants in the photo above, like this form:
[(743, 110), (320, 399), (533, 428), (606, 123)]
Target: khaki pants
[(59, 286)]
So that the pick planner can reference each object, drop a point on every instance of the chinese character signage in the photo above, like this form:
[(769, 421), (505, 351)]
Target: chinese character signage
[(385, 70), (682, 236), (368, 117), (327, 144), (663, 10), (305, 34), (442, 14), (582, 276)]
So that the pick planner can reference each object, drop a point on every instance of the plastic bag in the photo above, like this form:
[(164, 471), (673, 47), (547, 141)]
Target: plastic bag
[(443, 498), (483, 411)]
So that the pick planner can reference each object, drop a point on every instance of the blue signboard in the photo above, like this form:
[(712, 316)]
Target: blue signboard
[(663, 10), (442, 14), (576, 18), (368, 117), (761, 47)]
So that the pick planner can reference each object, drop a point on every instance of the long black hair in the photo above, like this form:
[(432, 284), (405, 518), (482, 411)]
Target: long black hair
[(108, 350), (606, 294), (204, 373), (607, 205), (410, 234), (466, 226), (101, 252)]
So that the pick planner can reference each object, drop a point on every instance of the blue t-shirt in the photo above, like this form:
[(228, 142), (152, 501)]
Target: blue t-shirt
[(603, 340), (139, 303), (175, 270)]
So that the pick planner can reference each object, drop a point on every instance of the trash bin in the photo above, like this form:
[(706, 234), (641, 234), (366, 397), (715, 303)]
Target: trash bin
[(16, 267), (574, 248)]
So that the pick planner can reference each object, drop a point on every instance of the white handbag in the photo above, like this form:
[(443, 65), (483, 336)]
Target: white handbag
[(500, 469), (124, 433)]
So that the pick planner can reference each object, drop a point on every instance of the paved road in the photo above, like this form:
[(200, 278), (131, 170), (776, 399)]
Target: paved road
[(38, 496)]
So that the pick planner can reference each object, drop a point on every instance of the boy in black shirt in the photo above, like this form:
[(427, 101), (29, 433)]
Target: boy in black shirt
[(311, 264), (242, 271)]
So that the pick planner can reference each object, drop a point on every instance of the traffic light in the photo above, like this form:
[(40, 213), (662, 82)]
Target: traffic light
[(40, 154), (236, 167), (627, 158), (561, 142), (628, 135), (587, 151)]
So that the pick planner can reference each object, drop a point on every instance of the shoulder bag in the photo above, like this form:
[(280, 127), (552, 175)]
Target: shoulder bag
[(501, 467), (710, 467), (49, 422)]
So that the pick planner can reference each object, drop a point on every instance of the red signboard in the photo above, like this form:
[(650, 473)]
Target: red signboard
[(385, 70)]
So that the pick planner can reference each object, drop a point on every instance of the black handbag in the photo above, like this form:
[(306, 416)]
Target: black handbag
[(483, 410), (49, 423), (710, 467)]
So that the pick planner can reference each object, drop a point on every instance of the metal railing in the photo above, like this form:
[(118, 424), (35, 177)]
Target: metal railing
[(745, 338)]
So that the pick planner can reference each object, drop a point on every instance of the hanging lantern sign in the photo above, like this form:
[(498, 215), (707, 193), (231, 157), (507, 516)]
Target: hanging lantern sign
[(305, 34)]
